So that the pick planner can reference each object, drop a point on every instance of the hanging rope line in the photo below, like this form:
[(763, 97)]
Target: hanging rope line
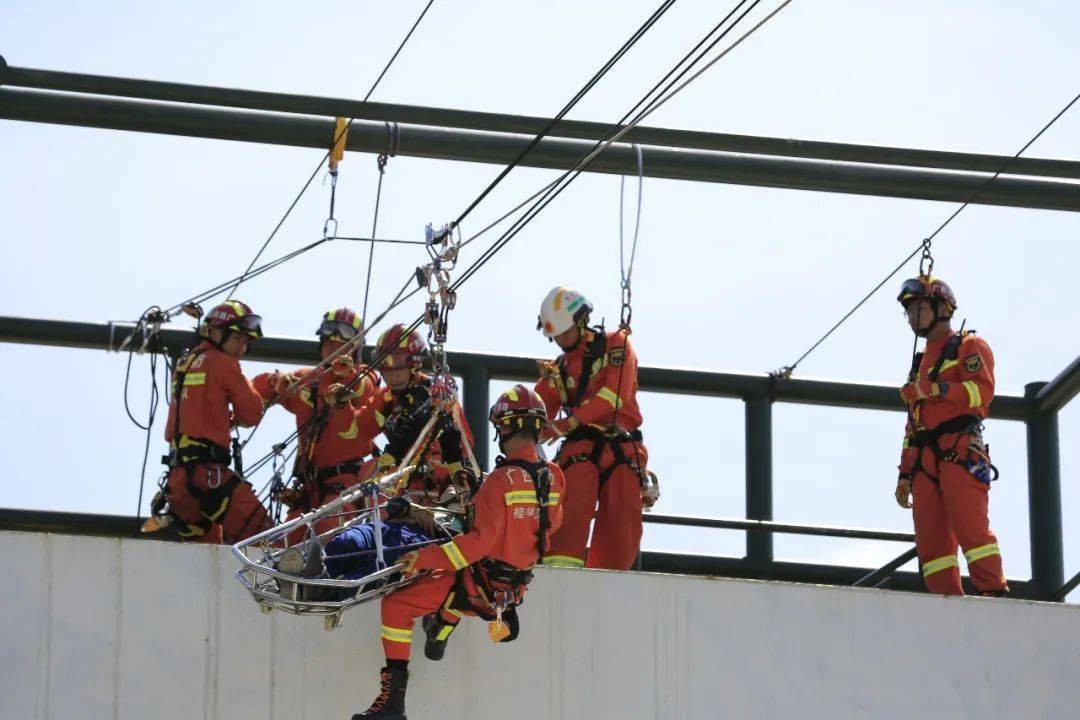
[(326, 157), (618, 130), (638, 34), (381, 164), (626, 271), (552, 189), (924, 245)]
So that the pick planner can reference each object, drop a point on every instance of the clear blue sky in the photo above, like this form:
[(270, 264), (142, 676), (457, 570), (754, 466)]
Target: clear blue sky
[(97, 225)]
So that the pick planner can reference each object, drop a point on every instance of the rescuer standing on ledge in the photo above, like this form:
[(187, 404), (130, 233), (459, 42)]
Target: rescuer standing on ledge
[(945, 464)]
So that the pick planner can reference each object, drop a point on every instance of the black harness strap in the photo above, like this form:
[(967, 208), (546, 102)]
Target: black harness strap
[(594, 350), (964, 424)]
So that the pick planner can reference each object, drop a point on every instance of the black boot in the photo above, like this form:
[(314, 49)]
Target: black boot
[(437, 636), (390, 702)]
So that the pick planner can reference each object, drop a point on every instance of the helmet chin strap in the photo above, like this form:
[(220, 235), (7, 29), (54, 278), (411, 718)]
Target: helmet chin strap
[(925, 332)]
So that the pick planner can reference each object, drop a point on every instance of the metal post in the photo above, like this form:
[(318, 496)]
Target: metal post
[(759, 543), (476, 399), (1044, 496)]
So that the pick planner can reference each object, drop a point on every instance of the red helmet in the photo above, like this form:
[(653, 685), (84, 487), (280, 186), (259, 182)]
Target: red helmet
[(402, 349), (927, 287), (235, 316), (518, 408), (343, 324)]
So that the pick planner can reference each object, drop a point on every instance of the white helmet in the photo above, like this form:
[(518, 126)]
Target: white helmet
[(560, 310)]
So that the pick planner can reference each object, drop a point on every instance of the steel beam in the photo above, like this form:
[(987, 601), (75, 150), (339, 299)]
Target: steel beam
[(777, 527), (105, 336), (437, 143), (1061, 390), (498, 122), (1044, 497), (119, 526)]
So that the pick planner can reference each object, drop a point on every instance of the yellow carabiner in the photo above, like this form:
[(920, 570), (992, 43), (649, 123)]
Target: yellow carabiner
[(341, 136)]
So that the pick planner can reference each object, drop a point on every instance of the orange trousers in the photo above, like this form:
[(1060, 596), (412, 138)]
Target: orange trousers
[(401, 608), (231, 519), (616, 505), (955, 511)]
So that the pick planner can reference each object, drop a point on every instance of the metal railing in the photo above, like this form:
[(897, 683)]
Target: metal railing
[(758, 391)]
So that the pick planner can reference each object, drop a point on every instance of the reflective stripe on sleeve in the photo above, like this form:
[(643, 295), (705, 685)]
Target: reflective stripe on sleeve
[(563, 561), (974, 396), (456, 558)]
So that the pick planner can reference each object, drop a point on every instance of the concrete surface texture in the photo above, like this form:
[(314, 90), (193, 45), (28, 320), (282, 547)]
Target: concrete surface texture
[(98, 628)]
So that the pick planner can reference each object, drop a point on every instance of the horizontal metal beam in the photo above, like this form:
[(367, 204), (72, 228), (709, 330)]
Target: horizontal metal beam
[(1061, 390), (776, 527), (530, 125), (108, 336), (118, 526), (665, 562), (437, 143)]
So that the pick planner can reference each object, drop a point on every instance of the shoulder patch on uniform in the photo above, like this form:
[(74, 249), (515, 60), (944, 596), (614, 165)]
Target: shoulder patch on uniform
[(973, 363), (617, 356)]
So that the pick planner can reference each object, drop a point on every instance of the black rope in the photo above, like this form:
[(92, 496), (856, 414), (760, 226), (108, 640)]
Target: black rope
[(570, 175), (645, 27), (326, 157), (788, 369)]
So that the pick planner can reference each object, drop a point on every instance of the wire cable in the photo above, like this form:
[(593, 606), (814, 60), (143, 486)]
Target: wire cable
[(785, 372), (326, 157)]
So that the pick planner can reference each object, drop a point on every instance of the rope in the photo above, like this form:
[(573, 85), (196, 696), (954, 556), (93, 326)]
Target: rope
[(785, 372), (326, 157), (626, 272), (619, 130), (381, 163), (604, 69)]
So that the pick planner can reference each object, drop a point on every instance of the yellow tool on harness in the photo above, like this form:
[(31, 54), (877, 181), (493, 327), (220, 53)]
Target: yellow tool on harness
[(341, 136)]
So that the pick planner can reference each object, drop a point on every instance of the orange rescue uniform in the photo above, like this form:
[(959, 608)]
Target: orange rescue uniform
[(330, 453), (203, 492), (950, 467), (505, 529), (603, 467), (400, 416)]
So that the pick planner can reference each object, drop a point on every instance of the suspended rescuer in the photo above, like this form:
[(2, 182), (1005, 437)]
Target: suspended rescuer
[(594, 382), (402, 409), (210, 396), (485, 571), (945, 465), (331, 447)]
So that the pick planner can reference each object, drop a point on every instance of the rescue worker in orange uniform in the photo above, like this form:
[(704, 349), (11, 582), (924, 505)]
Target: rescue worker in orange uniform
[(331, 448), (485, 571), (595, 383), (400, 412), (945, 465), (210, 396)]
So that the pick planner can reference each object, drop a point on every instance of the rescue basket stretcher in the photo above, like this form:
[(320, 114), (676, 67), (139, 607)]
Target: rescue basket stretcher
[(272, 588), (260, 555)]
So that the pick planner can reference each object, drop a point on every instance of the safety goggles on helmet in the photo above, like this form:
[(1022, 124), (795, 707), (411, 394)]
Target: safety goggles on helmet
[(250, 325), (912, 289), (343, 330)]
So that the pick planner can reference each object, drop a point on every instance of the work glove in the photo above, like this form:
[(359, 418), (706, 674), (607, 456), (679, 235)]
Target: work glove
[(903, 492), (337, 395), (559, 429), (387, 461), (409, 560), (280, 382), (919, 390)]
